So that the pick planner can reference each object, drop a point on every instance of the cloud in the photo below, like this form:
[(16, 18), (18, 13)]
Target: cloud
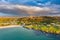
[(28, 10), (7, 7)]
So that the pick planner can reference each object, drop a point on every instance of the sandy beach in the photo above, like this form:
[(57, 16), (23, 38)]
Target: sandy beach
[(10, 26)]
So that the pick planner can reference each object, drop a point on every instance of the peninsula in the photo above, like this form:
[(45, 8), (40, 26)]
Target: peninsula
[(48, 24)]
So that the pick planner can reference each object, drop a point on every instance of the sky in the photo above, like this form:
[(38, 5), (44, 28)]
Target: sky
[(29, 7)]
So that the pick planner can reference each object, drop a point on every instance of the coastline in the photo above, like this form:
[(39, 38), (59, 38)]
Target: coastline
[(9, 26), (50, 30)]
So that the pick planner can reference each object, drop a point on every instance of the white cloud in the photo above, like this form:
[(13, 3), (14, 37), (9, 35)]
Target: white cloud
[(31, 10)]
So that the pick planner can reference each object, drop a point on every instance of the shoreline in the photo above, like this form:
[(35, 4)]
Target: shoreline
[(9, 26), (50, 30)]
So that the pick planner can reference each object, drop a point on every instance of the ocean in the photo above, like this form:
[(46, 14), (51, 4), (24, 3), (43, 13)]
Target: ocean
[(20, 33)]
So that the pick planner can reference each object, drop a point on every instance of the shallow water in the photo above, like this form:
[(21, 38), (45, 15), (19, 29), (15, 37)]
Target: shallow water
[(20, 33)]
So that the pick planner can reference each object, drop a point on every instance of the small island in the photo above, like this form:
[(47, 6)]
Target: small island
[(48, 24)]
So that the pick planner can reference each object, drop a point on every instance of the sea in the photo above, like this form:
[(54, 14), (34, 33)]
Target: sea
[(20, 33)]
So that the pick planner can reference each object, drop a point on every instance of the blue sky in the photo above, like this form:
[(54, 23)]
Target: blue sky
[(31, 2), (29, 7)]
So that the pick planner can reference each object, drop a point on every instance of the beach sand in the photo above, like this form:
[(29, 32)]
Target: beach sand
[(10, 26)]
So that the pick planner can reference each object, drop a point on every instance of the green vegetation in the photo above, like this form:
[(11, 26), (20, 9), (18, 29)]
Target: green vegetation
[(46, 24), (5, 21), (43, 23)]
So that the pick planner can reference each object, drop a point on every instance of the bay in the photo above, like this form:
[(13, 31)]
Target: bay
[(20, 33)]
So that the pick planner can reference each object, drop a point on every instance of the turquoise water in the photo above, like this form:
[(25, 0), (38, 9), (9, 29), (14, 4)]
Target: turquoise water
[(20, 33)]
